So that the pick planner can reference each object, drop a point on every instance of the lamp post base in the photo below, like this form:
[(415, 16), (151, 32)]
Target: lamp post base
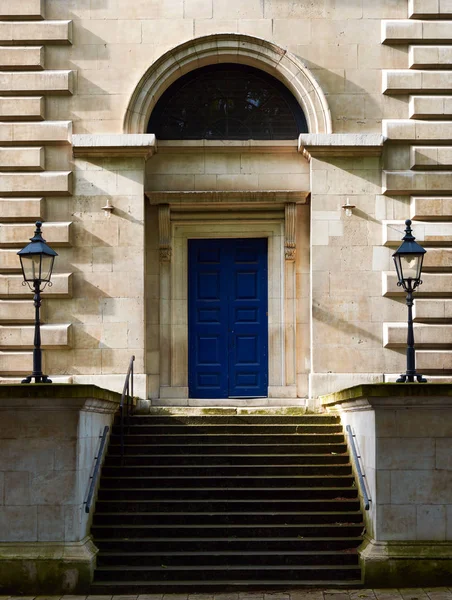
[(405, 378), (38, 379)]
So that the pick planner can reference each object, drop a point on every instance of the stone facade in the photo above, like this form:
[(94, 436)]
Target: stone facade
[(78, 82)]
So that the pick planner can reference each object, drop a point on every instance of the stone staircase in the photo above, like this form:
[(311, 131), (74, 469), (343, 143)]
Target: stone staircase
[(210, 503)]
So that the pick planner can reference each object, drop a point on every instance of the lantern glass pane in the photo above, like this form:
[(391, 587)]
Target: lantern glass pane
[(410, 265), (47, 266), (398, 267), (31, 266)]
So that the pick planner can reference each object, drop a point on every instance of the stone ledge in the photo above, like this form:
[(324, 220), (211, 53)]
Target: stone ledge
[(390, 394), (340, 144), (119, 145), (49, 395), (227, 146)]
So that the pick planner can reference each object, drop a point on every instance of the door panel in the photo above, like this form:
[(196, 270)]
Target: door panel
[(228, 324)]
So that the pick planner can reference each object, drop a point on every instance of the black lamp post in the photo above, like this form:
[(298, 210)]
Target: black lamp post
[(408, 259), (36, 260)]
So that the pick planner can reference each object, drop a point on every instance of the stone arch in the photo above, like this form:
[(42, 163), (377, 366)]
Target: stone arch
[(234, 48)]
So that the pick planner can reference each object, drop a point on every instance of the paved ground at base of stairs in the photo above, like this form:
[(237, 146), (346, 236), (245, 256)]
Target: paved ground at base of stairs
[(439, 593)]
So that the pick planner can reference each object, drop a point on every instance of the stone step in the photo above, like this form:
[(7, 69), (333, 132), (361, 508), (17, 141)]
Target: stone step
[(240, 418), (182, 587), (213, 573), (169, 505), (172, 559), (238, 481), (227, 449), (217, 429), (329, 491), (236, 470), (243, 544), (296, 531), (162, 440), (202, 519), (225, 459)]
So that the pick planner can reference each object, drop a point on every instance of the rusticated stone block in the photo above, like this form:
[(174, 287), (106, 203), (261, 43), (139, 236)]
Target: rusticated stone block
[(434, 285), (422, 57), (432, 310), (9, 261), (13, 311), (21, 209), (411, 182), (431, 157), (419, 9), (426, 335), (11, 287), (404, 81), (18, 234), (16, 363), (49, 183), (431, 208), (45, 82), (433, 360), (21, 337), (406, 31), (50, 132), (22, 159), (38, 32), (29, 58), (22, 109), (22, 9), (430, 107), (426, 233), (438, 259)]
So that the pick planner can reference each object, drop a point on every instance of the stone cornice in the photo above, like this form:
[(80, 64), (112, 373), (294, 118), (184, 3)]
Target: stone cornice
[(340, 144), (222, 198), (115, 145)]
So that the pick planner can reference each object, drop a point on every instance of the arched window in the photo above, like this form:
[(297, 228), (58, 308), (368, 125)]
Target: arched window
[(227, 102)]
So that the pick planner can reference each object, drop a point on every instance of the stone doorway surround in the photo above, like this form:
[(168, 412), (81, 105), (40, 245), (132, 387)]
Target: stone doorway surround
[(244, 214)]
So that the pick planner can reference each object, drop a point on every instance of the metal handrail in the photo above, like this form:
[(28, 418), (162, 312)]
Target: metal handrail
[(361, 476), (127, 394), (95, 474)]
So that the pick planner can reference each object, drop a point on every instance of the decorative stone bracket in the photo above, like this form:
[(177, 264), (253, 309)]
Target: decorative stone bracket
[(165, 233), (290, 229)]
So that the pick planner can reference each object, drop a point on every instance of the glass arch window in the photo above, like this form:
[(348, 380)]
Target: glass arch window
[(227, 102)]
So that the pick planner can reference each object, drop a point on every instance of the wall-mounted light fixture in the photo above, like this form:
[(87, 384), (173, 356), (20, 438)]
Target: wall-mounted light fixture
[(348, 208), (108, 208)]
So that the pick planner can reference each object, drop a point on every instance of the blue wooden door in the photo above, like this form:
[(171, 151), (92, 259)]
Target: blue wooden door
[(227, 318)]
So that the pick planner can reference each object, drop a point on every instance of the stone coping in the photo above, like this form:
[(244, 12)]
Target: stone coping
[(406, 391), (57, 390), (113, 145), (340, 144)]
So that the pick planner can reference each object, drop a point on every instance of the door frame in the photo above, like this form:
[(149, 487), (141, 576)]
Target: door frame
[(174, 301)]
